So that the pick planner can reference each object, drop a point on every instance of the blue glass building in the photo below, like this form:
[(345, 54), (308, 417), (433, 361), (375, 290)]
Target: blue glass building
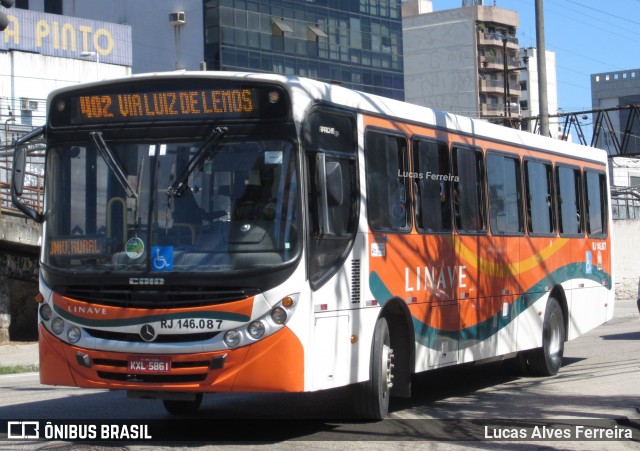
[(357, 43)]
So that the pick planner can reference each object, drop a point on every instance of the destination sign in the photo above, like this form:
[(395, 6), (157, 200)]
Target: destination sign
[(76, 247), (167, 104), (167, 100)]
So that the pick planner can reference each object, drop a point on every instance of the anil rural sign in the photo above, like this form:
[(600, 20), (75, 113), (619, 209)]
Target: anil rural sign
[(66, 37)]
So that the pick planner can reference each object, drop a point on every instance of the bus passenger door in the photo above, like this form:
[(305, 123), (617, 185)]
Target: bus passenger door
[(333, 246)]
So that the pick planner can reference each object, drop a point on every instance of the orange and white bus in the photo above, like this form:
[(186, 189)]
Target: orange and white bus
[(232, 232)]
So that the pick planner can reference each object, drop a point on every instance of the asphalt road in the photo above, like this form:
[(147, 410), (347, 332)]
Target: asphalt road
[(455, 408)]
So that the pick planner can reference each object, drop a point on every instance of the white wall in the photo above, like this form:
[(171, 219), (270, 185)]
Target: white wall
[(33, 76), (624, 169), (626, 255)]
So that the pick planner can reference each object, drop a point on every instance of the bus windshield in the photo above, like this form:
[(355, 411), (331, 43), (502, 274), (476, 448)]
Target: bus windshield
[(113, 206)]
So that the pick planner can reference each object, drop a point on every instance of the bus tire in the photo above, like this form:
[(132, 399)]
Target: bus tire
[(547, 360), (372, 400), (182, 407)]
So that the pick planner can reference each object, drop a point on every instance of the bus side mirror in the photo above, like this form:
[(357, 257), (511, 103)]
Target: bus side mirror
[(19, 165), (18, 173)]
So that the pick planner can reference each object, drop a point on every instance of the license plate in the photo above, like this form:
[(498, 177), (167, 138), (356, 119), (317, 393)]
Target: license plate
[(144, 364)]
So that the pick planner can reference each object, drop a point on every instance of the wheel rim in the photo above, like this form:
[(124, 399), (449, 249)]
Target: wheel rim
[(555, 341), (386, 367)]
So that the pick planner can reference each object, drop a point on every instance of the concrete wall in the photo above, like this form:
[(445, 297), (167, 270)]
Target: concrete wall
[(158, 47), (441, 55), (626, 258), (18, 286), (440, 61), (33, 76), (19, 249)]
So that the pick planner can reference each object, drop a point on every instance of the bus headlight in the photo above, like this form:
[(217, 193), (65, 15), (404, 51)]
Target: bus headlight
[(264, 326), (57, 325), (232, 338), (45, 312), (279, 315), (256, 329), (73, 334)]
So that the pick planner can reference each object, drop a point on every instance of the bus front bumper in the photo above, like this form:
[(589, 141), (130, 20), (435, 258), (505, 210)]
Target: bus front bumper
[(274, 364)]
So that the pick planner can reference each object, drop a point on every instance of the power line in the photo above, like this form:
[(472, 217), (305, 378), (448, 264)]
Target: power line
[(599, 11), (574, 19)]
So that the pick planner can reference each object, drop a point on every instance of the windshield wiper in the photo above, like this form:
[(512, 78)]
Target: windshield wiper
[(113, 163), (180, 185)]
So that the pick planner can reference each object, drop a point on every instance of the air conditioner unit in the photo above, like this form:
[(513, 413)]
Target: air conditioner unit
[(177, 19), (27, 104)]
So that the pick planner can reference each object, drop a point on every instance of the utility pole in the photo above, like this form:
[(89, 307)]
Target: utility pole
[(542, 70), (505, 76)]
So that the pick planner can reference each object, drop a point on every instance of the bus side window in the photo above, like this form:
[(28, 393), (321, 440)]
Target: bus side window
[(540, 207), (503, 177), (432, 186), (388, 181), (468, 192), (595, 202), (568, 180)]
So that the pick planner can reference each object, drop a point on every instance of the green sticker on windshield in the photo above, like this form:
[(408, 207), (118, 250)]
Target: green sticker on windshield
[(134, 248)]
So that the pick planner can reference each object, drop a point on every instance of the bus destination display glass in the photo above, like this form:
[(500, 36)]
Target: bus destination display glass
[(129, 105)]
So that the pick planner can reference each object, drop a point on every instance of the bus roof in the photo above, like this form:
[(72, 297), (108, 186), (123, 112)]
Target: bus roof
[(306, 91)]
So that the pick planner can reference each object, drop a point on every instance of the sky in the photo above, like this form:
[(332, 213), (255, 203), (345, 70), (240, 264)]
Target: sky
[(588, 37)]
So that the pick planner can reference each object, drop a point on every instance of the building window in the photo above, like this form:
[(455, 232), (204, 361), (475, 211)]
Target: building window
[(625, 206), (315, 32), (53, 6), (279, 27)]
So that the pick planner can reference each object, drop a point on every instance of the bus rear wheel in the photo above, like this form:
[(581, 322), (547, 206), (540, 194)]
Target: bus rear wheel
[(182, 407), (372, 400), (547, 360)]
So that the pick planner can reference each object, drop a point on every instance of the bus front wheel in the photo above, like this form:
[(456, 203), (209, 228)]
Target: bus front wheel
[(372, 400), (547, 360), (182, 407)]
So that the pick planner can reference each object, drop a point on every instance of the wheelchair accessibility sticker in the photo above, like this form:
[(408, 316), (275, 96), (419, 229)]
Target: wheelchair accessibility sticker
[(161, 258)]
